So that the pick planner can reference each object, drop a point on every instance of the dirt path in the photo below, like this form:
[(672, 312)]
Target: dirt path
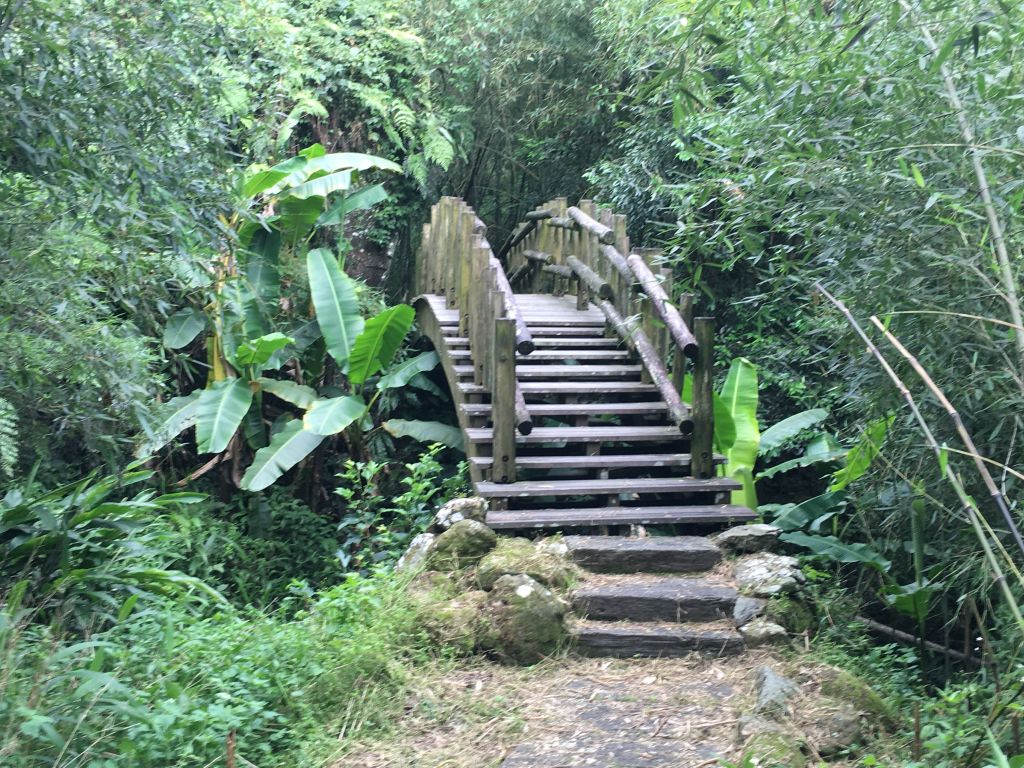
[(593, 713)]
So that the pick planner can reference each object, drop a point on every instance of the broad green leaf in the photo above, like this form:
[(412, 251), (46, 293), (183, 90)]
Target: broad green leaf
[(725, 429), (426, 432), (336, 304), (330, 416), (793, 517), (287, 448), (321, 186), (739, 394), (420, 381), (800, 462), (356, 161), (375, 347), (183, 326), (262, 180), (407, 370), (261, 268), (259, 351), (778, 434), (362, 199), (839, 551), (297, 216), (177, 415), (859, 459), (296, 394), (912, 599), (221, 409)]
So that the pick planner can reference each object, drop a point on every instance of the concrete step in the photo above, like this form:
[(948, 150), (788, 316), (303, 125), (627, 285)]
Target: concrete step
[(644, 597), (652, 554), (623, 639)]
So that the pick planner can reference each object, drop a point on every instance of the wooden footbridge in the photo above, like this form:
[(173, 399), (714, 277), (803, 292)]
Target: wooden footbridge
[(566, 358)]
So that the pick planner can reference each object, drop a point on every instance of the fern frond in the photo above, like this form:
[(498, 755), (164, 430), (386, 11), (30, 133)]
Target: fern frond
[(404, 119), (417, 168), (437, 145), (8, 438)]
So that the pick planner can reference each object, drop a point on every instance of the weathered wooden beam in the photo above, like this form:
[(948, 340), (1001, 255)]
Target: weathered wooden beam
[(524, 341), (605, 235), (702, 459), (538, 215), (617, 260), (516, 238), (503, 397), (663, 306), (563, 222), (558, 270), (593, 280), (678, 411), (538, 256)]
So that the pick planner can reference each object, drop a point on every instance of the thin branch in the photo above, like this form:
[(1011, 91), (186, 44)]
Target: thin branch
[(994, 320)]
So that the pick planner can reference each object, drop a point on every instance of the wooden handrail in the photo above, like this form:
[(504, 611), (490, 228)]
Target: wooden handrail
[(663, 306)]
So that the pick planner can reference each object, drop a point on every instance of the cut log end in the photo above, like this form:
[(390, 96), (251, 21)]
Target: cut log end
[(686, 427), (691, 350), (525, 427), (525, 347)]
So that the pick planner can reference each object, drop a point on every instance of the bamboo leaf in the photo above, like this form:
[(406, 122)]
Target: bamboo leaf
[(376, 346), (287, 448), (336, 304), (331, 415), (426, 432), (221, 409)]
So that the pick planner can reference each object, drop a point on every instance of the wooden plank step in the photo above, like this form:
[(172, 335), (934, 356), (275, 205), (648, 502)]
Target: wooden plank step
[(615, 486), (577, 409), (544, 331), (636, 597), (582, 435), (555, 355), (719, 514), (594, 463), (624, 640), (651, 554), (538, 388), (581, 372)]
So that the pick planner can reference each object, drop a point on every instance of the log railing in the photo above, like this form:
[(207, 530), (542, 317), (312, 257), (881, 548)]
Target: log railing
[(456, 261), (561, 248)]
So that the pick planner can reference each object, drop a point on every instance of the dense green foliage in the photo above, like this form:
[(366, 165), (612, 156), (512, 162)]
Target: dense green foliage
[(199, 199)]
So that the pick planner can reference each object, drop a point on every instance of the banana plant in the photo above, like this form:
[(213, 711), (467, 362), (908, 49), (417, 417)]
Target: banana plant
[(252, 332)]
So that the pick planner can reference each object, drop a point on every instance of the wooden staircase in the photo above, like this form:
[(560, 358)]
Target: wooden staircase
[(566, 358)]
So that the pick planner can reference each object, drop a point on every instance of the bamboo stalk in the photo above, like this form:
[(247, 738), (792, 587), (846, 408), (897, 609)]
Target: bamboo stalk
[(965, 435), (970, 508)]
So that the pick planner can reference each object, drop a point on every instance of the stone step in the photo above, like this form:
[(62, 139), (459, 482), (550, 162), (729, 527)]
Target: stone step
[(653, 598), (652, 554), (623, 639)]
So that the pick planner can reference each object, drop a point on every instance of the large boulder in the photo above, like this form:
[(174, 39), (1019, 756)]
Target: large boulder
[(747, 609), (842, 686), (460, 546), (765, 574), (773, 692), (836, 732), (522, 621), (415, 557), (512, 556), (756, 537), (455, 623), (457, 510)]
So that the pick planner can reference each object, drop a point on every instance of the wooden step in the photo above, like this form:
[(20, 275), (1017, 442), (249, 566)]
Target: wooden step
[(624, 640), (565, 331), (569, 343), (573, 372), (703, 514), (555, 355), (651, 554), (633, 485), (583, 435), (581, 388), (593, 463), (577, 409), (636, 597)]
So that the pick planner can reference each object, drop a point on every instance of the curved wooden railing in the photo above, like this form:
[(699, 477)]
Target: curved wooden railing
[(562, 248)]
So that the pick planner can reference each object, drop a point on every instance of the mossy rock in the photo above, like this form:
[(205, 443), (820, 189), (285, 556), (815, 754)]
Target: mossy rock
[(512, 556), (847, 688), (788, 612), (460, 546), (772, 749), (522, 621), (432, 587), (455, 623)]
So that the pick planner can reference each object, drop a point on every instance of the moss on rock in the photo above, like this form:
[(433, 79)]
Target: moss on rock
[(772, 749), (455, 623), (522, 620), (460, 546), (791, 613), (847, 688), (512, 556)]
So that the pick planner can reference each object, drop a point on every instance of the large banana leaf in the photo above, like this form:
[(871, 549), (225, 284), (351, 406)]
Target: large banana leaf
[(322, 186), (336, 304), (725, 430), (739, 394), (776, 435), (376, 346), (361, 199), (407, 370), (221, 409), (288, 447), (839, 551), (290, 392), (261, 266), (257, 352), (183, 326), (426, 431), (859, 459), (333, 414), (176, 415)]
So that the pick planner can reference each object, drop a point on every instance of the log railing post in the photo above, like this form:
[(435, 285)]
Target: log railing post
[(678, 358), (701, 456), (503, 401)]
